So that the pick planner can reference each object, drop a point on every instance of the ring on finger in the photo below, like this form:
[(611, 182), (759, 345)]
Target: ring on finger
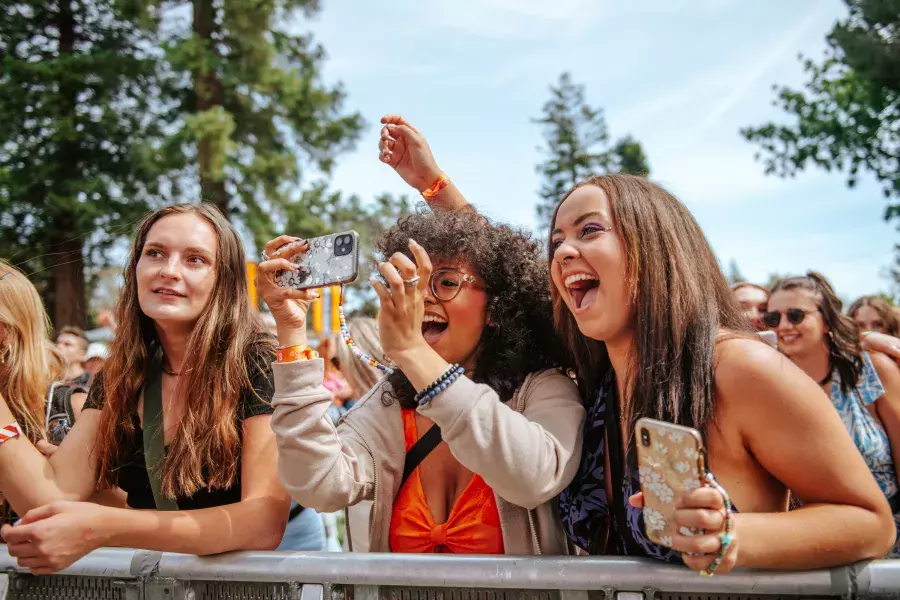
[(265, 256), (412, 281)]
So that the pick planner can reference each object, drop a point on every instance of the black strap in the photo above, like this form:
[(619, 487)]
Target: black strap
[(295, 512), (154, 438), (420, 450)]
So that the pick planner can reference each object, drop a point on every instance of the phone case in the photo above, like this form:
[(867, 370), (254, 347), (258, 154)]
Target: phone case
[(671, 465), (320, 266)]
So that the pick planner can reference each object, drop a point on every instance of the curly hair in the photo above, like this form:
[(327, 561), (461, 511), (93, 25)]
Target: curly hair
[(520, 338)]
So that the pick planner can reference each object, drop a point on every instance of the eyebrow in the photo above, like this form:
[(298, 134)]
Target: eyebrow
[(194, 249), (580, 220)]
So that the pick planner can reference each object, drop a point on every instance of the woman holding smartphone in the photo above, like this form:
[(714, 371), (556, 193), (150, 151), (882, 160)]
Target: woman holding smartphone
[(641, 302), (466, 320), (178, 418)]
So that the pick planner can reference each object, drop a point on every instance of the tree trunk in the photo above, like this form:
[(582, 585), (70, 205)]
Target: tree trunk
[(66, 248), (208, 89)]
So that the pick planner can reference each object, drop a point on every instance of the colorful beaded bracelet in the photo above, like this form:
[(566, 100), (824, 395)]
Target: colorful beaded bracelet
[(449, 376), (348, 339), (727, 536)]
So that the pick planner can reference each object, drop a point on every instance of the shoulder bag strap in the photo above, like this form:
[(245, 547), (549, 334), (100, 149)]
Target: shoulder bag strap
[(154, 438), (420, 450)]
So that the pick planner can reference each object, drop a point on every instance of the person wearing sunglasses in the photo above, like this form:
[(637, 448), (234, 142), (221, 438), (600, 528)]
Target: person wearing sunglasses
[(864, 387), (468, 327)]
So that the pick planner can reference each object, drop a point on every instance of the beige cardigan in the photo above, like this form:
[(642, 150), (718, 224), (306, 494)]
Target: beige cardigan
[(527, 450)]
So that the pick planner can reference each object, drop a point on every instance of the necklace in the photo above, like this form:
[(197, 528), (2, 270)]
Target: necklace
[(167, 371)]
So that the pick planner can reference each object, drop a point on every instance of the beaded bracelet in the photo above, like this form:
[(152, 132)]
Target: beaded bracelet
[(727, 536), (449, 376), (348, 339)]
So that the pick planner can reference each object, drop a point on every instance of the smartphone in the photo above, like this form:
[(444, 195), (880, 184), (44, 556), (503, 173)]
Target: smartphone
[(670, 464), (332, 259), (769, 337)]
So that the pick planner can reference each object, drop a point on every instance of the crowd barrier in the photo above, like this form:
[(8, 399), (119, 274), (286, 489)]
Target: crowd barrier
[(121, 574)]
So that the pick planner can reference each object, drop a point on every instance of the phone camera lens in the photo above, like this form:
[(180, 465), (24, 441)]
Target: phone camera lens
[(645, 437), (343, 245)]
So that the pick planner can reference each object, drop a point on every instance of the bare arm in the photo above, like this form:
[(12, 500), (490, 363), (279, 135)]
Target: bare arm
[(880, 342), (791, 428), (54, 536), (888, 406), (405, 149), (28, 479)]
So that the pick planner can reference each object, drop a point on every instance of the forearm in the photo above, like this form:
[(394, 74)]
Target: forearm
[(251, 524), (815, 536), (449, 199), (27, 477)]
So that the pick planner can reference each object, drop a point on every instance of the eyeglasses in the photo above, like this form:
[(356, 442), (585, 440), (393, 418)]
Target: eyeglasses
[(795, 316), (446, 283)]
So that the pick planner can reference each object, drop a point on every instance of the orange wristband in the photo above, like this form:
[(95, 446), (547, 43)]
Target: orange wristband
[(432, 191), (288, 354)]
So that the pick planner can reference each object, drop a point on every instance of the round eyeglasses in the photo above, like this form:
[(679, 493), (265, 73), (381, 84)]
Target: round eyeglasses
[(446, 283)]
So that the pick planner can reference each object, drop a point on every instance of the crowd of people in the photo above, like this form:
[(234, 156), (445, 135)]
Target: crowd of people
[(490, 409)]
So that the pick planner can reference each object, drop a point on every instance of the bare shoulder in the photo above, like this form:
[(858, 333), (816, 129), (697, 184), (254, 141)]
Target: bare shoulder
[(752, 376)]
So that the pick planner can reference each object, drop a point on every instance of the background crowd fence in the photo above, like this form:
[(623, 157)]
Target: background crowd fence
[(122, 574)]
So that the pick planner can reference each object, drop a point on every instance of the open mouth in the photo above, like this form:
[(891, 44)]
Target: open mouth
[(789, 338), (433, 327), (583, 289)]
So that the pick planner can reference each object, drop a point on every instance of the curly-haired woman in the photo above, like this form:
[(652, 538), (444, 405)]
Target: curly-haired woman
[(511, 427)]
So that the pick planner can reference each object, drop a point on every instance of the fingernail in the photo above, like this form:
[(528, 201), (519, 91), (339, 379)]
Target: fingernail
[(413, 242)]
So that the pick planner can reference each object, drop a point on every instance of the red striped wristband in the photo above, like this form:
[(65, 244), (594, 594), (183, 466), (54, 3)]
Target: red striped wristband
[(8, 432)]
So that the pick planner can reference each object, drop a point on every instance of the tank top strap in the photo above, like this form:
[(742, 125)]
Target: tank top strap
[(410, 433)]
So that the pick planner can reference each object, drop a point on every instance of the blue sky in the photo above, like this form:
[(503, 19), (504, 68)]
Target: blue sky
[(680, 76)]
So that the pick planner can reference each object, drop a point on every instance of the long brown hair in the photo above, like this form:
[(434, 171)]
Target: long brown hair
[(842, 340), (29, 362), (885, 312), (681, 302), (225, 350)]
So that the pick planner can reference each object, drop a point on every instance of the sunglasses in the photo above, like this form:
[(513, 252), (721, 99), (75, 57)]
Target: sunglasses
[(795, 316)]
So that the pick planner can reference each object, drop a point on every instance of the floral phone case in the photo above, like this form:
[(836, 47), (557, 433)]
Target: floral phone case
[(331, 260), (670, 463)]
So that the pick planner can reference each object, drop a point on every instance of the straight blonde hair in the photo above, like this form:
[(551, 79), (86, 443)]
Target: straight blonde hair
[(29, 362)]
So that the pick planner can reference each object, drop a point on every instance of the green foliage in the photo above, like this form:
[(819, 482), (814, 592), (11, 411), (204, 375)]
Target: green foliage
[(78, 156), (578, 145), (846, 118), (255, 118)]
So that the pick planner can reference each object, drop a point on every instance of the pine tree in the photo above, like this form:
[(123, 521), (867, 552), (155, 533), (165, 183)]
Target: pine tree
[(256, 118), (77, 126), (578, 145)]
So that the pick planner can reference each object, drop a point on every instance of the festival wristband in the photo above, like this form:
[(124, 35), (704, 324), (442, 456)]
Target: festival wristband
[(432, 190), (9, 432), (286, 354)]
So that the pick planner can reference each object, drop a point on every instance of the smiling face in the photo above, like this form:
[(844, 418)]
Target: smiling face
[(454, 327), (176, 271), (589, 265), (808, 335)]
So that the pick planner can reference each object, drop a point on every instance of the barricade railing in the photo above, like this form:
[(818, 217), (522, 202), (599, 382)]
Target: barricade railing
[(122, 574)]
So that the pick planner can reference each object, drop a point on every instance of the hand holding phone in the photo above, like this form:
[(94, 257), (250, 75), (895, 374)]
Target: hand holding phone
[(670, 464), (331, 259)]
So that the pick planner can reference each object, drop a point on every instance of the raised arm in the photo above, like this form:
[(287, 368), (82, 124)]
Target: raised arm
[(322, 468), (405, 149)]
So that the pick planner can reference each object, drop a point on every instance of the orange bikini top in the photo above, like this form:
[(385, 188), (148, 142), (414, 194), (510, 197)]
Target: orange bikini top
[(473, 526)]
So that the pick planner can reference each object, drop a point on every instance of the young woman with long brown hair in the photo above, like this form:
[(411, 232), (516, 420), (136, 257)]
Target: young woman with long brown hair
[(871, 313), (641, 301), (188, 342), (864, 387)]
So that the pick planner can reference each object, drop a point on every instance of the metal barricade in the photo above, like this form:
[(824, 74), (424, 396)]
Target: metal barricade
[(120, 574)]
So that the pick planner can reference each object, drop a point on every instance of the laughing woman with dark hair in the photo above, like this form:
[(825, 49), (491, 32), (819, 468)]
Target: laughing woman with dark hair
[(468, 324)]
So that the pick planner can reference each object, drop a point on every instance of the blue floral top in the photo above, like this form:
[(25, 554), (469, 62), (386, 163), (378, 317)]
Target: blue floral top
[(867, 433), (584, 505)]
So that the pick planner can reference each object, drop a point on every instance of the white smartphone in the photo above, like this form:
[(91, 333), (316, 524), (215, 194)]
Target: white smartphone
[(332, 259)]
